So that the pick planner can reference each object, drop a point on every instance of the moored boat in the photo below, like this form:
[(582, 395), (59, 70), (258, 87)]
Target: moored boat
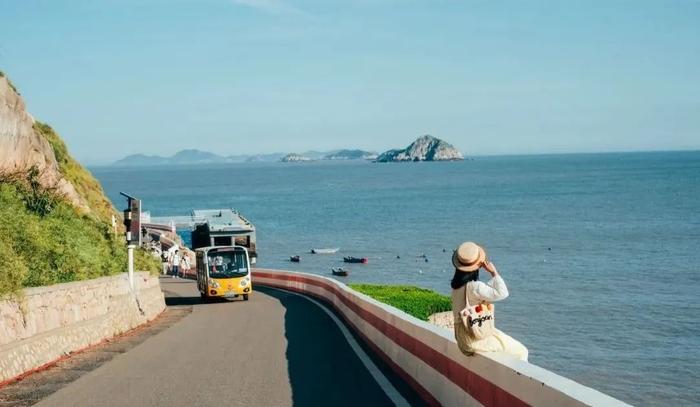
[(325, 250), (340, 272), (295, 259), (350, 259)]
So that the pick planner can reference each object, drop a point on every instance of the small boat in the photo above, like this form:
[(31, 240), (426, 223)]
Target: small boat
[(340, 272), (325, 250), (350, 259), (295, 259)]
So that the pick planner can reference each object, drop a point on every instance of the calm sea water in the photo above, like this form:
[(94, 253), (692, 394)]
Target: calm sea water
[(600, 252)]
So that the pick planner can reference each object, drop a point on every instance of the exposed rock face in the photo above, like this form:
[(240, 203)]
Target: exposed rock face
[(22, 147), (425, 148), (294, 158)]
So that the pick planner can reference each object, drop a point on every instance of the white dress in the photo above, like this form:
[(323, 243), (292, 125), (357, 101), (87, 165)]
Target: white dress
[(494, 290)]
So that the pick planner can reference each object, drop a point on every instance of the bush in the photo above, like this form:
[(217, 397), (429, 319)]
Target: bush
[(416, 301), (56, 243)]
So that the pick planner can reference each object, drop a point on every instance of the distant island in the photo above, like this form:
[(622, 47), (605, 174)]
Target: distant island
[(425, 148), (187, 157), (351, 155), (294, 158), (332, 155)]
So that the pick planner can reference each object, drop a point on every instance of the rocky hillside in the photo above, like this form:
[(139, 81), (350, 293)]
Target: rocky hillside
[(425, 148), (27, 143), (55, 221)]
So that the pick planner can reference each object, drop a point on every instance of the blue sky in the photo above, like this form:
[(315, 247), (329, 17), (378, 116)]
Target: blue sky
[(255, 76)]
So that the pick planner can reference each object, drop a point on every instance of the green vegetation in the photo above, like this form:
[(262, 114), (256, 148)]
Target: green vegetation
[(2, 75), (85, 184), (416, 301), (44, 240)]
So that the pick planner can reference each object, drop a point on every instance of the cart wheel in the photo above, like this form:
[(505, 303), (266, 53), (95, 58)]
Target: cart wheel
[(245, 297)]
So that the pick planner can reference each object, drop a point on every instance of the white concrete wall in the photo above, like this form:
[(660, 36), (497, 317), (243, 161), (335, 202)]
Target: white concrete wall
[(428, 358), (50, 322)]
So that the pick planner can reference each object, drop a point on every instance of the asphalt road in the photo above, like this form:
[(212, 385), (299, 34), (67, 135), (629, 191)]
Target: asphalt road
[(277, 349)]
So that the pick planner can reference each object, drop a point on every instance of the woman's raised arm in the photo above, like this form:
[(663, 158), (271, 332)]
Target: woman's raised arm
[(495, 289)]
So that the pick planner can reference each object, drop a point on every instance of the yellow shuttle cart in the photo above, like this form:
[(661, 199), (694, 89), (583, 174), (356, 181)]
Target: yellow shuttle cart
[(224, 271)]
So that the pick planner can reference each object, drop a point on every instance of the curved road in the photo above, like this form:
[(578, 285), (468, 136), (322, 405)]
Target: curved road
[(277, 349)]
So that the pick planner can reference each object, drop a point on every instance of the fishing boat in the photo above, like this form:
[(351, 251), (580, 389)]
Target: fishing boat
[(340, 272), (350, 259), (295, 259), (325, 250)]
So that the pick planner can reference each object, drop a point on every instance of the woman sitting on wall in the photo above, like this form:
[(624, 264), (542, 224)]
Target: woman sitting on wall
[(472, 308)]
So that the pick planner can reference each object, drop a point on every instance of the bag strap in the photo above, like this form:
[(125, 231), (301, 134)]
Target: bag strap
[(466, 294)]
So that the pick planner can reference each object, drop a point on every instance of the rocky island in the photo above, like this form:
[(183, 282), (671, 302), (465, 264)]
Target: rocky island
[(425, 148), (294, 158)]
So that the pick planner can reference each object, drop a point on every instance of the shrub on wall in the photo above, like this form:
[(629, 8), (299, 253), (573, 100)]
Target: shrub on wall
[(416, 301)]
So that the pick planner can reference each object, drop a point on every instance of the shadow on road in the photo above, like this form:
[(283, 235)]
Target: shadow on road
[(323, 369), (174, 301)]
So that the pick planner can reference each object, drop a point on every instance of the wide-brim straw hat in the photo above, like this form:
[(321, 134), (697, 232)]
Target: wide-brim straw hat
[(468, 257)]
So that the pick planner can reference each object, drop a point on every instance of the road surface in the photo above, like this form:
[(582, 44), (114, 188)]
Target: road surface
[(277, 349)]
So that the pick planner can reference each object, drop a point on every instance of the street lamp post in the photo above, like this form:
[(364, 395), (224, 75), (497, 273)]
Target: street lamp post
[(132, 222)]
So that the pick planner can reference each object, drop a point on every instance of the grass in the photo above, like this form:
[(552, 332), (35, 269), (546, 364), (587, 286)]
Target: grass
[(54, 243), (85, 184), (416, 301)]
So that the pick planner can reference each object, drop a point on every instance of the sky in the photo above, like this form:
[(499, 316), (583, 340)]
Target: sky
[(261, 76)]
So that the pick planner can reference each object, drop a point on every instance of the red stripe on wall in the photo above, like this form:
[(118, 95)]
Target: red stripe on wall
[(484, 391)]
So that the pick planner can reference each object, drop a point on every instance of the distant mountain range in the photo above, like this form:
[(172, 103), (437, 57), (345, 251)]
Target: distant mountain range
[(186, 157), (425, 148)]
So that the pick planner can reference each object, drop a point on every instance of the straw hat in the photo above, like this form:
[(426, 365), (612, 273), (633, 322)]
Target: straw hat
[(468, 257)]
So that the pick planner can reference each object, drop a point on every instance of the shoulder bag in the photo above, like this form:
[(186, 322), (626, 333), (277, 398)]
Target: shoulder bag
[(478, 319)]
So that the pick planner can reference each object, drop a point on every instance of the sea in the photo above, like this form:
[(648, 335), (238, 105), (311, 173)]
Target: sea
[(600, 252)]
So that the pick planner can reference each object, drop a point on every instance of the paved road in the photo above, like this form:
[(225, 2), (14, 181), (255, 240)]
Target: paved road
[(276, 349)]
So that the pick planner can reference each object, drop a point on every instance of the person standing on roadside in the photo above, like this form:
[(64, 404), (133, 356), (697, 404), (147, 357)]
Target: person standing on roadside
[(467, 259), (185, 265), (176, 264)]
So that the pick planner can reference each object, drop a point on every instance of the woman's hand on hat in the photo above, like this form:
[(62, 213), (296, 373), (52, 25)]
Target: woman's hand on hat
[(490, 267)]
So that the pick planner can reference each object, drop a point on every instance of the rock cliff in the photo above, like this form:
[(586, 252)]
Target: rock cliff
[(26, 143), (425, 148)]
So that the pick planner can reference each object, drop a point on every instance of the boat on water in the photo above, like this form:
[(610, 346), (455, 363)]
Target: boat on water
[(295, 259), (350, 259), (341, 272), (325, 250)]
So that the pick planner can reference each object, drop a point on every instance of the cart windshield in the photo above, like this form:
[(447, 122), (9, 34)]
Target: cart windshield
[(227, 264)]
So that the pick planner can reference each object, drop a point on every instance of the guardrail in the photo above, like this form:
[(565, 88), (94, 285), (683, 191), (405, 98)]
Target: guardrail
[(428, 358)]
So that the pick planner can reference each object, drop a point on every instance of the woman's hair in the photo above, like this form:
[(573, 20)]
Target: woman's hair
[(461, 278), (473, 276)]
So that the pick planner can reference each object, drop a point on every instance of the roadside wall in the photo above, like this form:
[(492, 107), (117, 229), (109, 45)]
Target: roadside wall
[(50, 322), (427, 356)]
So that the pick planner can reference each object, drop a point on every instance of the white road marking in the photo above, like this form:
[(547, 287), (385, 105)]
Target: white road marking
[(377, 374)]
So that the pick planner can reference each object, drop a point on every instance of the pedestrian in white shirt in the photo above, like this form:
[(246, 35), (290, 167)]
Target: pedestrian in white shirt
[(467, 259), (176, 264)]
